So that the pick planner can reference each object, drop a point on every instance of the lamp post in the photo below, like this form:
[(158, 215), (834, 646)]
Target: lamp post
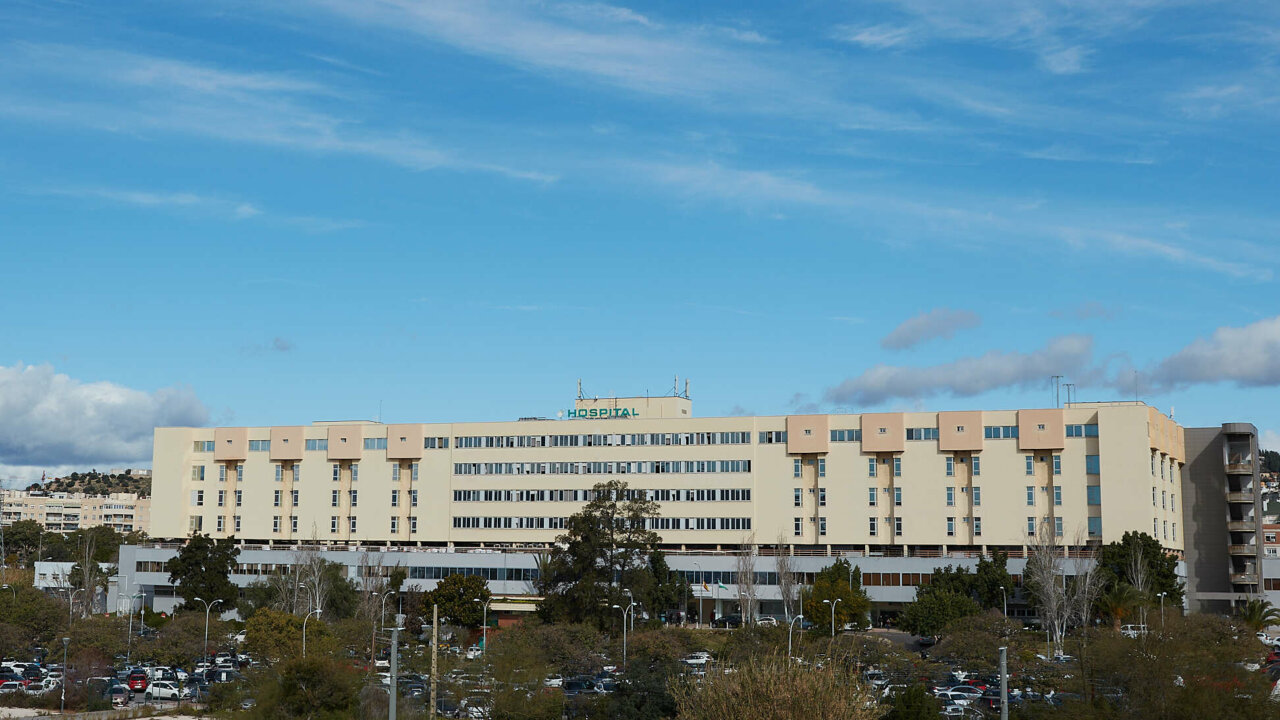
[(65, 642), (1161, 596), (128, 654), (382, 620), (12, 590), (695, 594), (1005, 600), (207, 607), (624, 610), (71, 604), (304, 630), (791, 626), (484, 624), (833, 614)]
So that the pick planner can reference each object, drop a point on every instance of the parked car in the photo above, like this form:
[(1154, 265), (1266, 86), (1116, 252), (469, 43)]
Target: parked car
[(1133, 631), (767, 621), (555, 681), (11, 686), (162, 690), (474, 652), (119, 695), (727, 621), (138, 680)]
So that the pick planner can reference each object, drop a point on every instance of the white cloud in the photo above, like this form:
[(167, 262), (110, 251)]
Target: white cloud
[(967, 377), (876, 37), (208, 204), (1067, 61), (1269, 440), (1087, 310), (52, 420), (936, 323), (1248, 356)]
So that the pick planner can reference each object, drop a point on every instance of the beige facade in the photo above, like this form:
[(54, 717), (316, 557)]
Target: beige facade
[(65, 512), (939, 482)]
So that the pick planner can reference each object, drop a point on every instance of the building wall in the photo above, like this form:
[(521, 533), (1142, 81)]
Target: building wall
[(840, 467), (67, 512)]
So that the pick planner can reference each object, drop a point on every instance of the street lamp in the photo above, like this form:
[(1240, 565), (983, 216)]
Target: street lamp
[(65, 642), (382, 621), (1004, 599), (484, 624), (304, 630), (12, 590), (1161, 596), (71, 604), (207, 607), (627, 609), (791, 626), (128, 655), (833, 614), (695, 593)]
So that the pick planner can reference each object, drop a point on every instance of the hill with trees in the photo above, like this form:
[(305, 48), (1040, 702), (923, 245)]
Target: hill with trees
[(96, 483)]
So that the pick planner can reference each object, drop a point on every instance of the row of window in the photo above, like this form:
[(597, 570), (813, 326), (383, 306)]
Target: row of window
[(604, 468), (1168, 500), (603, 440), (657, 495)]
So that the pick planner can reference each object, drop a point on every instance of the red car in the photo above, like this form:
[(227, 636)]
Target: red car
[(137, 681)]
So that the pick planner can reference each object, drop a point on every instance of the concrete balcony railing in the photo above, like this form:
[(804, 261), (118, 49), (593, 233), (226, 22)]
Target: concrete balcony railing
[(1244, 578), (1239, 468), (1249, 550), (1240, 497), (1242, 526)]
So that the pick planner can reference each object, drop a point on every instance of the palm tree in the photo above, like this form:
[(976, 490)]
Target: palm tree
[(1259, 614), (1120, 603)]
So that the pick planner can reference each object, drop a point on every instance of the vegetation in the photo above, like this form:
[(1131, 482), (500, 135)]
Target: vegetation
[(96, 483), (835, 586), (1139, 554), (456, 595), (202, 568), (1258, 615), (778, 689)]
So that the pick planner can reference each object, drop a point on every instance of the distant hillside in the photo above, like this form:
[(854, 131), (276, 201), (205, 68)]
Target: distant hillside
[(97, 483)]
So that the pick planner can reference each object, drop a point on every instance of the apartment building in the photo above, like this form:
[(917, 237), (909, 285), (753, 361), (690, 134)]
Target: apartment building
[(67, 512), (925, 484)]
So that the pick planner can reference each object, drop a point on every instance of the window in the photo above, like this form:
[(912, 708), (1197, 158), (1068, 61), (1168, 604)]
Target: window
[(1166, 529), (977, 496), (196, 524), (1163, 498), (236, 521), (951, 496), (1057, 494), (337, 472), (395, 525), (1057, 526), (395, 498), (873, 525), (846, 435), (1057, 464), (897, 497), (276, 502), (279, 472), (239, 473), (977, 527), (1031, 527), (203, 446), (797, 467), (293, 523), (822, 467), (1162, 469), (395, 473), (1155, 527), (822, 497), (352, 522), (321, 444), (353, 497), (1031, 495), (259, 445), (334, 501), (822, 526), (1173, 502), (1175, 531), (239, 498), (275, 524), (333, 523), (1086, 431), (977, 466), (375, 444), (951, 527), (413, 498), (797, 497), (959, 428), (897, 467), (1153, 497), (413, 525), (1093, 495), (413, 472), (796, 526), (1031, 465), (1095, 527), (355, 472), (1092, 464), (929, 433), (951, 466), (871, 496), (295, 498), (1153, 463), (221, 521), (897, 527), (222, 473), (871, 467), (197, 473), (773, 437), (222, 498), (1000, 432)]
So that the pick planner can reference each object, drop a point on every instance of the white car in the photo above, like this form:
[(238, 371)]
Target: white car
[(162, 690), (956, 698), (553, 681), (12, 686), (767, 621), (1133, 631), (474, 652)]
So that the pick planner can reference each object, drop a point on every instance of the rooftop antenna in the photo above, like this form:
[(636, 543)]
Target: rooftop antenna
[(675, 386), (379, 411), (1057, 390), (579, 388), (1071, 392), (686, 388)]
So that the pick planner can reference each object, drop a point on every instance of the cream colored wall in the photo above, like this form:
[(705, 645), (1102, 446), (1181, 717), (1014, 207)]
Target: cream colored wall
[(1123, 445)]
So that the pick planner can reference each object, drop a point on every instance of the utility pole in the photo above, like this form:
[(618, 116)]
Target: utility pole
[(395, 665), (435, 648), (1004, 683)]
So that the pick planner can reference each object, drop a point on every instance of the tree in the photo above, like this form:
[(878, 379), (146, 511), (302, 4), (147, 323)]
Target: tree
[(992, 582), (935, 609), (274, 635), (1120, 603), (1258, 615), (746, 577), (1139, 552), (21, 540), (787, 579), (914, 703), (317, 686), (456, 595), (832, 584), (607, 547), (202, 569), (777, 689)]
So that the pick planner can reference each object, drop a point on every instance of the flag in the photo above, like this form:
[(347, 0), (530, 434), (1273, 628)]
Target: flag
[(722, 586), (705, 588)]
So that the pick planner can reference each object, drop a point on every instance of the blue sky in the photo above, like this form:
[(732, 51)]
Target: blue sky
[(272, 213)]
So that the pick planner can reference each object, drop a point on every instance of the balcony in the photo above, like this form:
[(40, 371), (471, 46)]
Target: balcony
[(1246, 550), (1244, 578), (1242, 526), (1239, 468), (1240, 497)]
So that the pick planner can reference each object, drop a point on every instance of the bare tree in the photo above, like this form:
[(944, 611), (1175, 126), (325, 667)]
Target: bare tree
[(90, 575), (1047, 583), (1138, 572), (786, 579), (1086, 587), (747, 577)]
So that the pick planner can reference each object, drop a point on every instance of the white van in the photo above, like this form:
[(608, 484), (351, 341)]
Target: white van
[(1133, 631)]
